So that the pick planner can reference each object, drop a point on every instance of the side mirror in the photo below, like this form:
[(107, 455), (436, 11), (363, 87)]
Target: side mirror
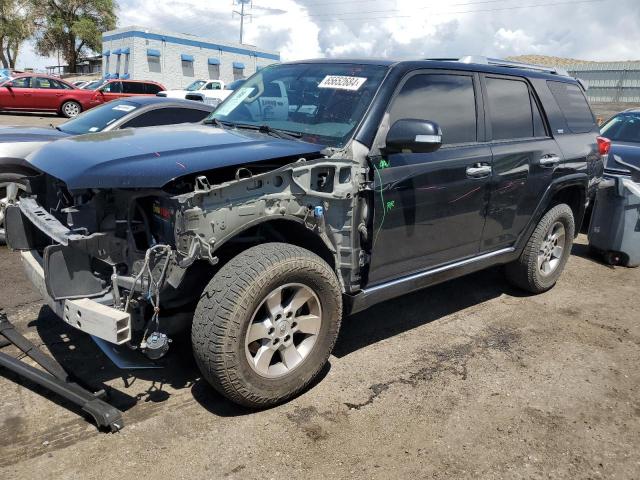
[(416, 136)]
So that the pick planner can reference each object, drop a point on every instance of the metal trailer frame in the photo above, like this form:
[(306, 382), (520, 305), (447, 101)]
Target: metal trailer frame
[(55, 378)]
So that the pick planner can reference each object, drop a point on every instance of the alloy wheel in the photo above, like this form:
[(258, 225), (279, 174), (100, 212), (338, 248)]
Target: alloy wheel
[(283, 330), (551, 249)]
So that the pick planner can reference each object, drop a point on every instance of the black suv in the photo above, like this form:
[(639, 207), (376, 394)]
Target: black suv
[(317, 189)]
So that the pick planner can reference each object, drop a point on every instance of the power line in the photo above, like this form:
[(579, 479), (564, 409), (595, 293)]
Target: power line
[(242, 3), (341, 16), (344, 2)]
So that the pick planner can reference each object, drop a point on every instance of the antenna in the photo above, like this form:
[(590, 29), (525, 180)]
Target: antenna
[(242, 4)]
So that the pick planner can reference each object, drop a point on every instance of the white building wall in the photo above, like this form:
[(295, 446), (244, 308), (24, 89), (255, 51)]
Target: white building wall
[(169, 69)]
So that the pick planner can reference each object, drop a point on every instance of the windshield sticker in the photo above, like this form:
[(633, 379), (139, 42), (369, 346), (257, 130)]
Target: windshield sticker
[(124, 108), (234, 101), (93, 129), (340, 82)]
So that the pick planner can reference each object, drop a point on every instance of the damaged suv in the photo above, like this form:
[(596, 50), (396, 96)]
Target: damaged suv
[(317, 189)]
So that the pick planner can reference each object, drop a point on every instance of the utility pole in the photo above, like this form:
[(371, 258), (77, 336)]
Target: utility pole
[(242, 3)]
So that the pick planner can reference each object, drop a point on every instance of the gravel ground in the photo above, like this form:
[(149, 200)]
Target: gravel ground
[(468, 379)]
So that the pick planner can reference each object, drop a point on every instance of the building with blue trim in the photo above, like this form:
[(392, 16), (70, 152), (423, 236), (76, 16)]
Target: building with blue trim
[(176, 59)]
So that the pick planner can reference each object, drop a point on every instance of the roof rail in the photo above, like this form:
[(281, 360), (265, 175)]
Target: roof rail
[(498, 62)]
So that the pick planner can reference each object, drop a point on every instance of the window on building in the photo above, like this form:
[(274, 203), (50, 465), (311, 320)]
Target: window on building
[(513, 113), (448, 100)]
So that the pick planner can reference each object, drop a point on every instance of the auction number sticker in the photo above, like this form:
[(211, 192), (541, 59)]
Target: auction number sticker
[(234, 101), (341, 82), (124, 108)]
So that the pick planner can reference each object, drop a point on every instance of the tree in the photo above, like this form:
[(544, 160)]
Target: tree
[(16, 26), (73, 27)]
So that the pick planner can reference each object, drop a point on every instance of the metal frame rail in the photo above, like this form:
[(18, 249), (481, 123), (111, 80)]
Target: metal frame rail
[(55, 379)]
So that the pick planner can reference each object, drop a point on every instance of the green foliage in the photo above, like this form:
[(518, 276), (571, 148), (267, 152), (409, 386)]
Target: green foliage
[(72, 27), (16, 25)]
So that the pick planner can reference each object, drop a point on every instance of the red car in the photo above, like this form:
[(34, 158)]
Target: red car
[(119, 88), (44, 93)]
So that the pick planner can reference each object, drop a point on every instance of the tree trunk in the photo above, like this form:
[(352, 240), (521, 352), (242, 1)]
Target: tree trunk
[(72, 55), (3, 58), (15, 49)]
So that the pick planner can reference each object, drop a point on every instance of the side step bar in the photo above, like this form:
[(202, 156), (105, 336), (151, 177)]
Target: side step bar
[(55, 379)]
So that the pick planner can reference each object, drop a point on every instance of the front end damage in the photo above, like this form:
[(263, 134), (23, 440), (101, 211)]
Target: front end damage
[(128, 265)]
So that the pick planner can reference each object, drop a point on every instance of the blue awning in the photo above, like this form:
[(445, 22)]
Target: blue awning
[(152, 52), (126, 76), (125, 51), (238, 65), (117, 52), (186, 58), (107, 53), (213, 61)]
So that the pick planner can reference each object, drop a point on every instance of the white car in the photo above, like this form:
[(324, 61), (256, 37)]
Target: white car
[(197, 86)]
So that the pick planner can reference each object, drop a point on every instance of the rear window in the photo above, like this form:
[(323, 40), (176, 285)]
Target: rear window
[(134, 88), (574, 106), (152, 88)]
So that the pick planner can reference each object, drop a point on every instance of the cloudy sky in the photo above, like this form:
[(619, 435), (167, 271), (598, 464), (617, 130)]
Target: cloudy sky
[(585, 29)]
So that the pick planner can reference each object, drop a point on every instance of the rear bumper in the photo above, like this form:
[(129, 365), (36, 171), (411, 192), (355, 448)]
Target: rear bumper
[(85, 314)]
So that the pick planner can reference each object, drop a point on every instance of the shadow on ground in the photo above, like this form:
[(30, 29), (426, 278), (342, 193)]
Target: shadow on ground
[(80, 356)]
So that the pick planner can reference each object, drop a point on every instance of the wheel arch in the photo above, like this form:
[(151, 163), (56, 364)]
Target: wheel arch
[(283, 229)]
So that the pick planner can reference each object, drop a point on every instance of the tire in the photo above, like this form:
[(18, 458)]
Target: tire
[(70, 109), (229, 313), (528, 273), (5, 180)]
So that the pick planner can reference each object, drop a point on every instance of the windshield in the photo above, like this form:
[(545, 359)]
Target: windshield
[(98, 118), (322, 102), (197, 85), (624, 127)]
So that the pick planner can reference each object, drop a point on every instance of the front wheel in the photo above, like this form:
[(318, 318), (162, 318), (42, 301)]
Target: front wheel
[(266, 323), (546, 253), (70, 109)]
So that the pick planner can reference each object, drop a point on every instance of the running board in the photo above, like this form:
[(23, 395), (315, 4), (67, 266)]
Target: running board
[(56, 379), (425, 278)]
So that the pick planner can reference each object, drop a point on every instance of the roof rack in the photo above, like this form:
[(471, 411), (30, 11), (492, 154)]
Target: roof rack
[(498, 62)]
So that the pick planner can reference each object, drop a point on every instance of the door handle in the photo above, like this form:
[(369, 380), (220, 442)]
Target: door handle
[(549, 160), (479, 171)]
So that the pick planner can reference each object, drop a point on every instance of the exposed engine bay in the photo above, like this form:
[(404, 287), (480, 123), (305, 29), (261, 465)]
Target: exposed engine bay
[(148, 254)]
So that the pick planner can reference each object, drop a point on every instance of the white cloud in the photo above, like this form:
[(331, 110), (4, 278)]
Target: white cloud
[(405, 28)]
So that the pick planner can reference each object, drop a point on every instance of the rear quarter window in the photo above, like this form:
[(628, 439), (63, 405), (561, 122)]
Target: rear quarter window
[(574, 106)]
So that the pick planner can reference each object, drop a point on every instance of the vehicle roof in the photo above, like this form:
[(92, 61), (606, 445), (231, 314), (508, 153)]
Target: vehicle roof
[(153, 100), (132, 81), (445, 65)]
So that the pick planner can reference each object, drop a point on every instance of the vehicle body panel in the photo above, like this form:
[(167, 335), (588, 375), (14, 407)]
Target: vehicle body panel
[(152, 157)]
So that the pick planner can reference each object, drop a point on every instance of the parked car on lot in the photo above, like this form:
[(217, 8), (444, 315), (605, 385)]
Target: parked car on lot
[(317, 189), (623, 130), (93, 85), (44, 94), (80, 83), (17, 143), (196, 86), (114, 89)]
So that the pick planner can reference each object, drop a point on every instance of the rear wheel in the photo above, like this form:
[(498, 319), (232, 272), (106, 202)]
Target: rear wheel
[(266, 324), (11, 185), (546, 253), (70, 109)]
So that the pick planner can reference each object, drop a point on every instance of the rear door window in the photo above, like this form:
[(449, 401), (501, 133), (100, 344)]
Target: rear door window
[(133, 88), (513, 111), (574, 106), (448, 100)]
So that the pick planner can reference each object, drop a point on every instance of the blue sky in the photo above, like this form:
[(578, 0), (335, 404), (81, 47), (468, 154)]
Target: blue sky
[(592, 30)]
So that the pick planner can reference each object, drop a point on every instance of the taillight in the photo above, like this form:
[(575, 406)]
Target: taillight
[(604, 145)]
